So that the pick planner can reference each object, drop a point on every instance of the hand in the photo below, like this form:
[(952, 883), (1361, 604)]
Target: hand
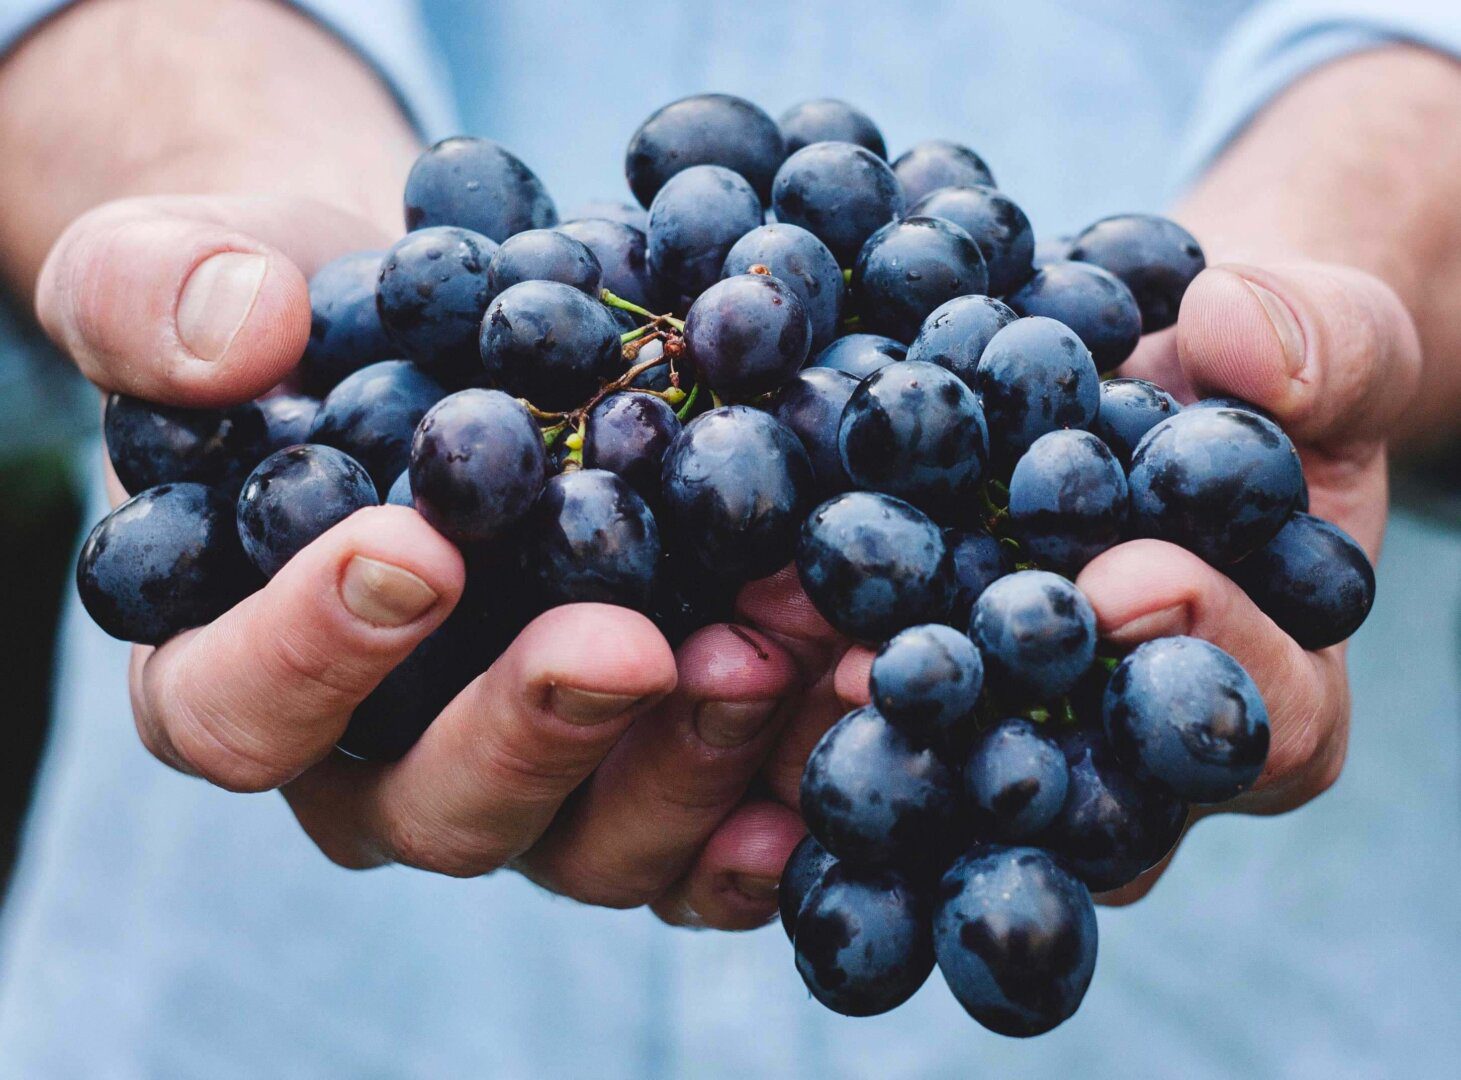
[(203, 302)]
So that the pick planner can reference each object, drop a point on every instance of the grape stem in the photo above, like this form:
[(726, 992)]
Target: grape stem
[(623, 382), (689, 403), (644, 313)]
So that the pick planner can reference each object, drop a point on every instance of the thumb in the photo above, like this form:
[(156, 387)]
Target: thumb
[(190, 300)]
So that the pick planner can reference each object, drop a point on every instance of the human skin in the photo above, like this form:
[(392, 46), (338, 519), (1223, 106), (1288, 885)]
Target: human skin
[(201, 300)]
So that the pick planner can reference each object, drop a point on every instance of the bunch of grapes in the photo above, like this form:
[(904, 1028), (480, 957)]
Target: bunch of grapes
[(800, 353)]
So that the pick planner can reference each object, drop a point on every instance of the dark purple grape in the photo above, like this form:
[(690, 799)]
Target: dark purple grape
[(1154, 256), (811, 404), (979, 560), (1129, 409), (288, 418), (400, 492), (805, 867), (431, 295), (628, 434), (1232, 403), (706, 129), (860, 354), (475, 184), (1037, 633), (636, 217), (543, 255), (996, 223), (1067, 500), (955, 333), (1035, 377), (746, 335), (163, 562), (926, 683), (656, 377), (909, 268), (295, 496), (622, 254), (693, 223), (1015, 779), (797, 258), (550, 343), (345, 331), (1093, 302), (830, 120), (151, 444), (840, 192), (372, 415), (937, 163), (686, 599)]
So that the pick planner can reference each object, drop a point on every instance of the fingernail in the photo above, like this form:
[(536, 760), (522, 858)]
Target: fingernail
[(588, 707), (216, 299), (384, 594), (1281, 317), (759, 889), (1166, 622), (725, 724)]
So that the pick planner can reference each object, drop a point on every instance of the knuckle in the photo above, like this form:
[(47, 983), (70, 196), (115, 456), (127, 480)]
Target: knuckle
[(319, 666), (570, 874), (442, 850)]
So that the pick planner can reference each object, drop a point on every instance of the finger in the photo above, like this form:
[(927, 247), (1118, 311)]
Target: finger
[(1148, 589), (732, 885), (851, 680), (255, 697), (778, 606), (493, 769), (190, 300), (638, 823)]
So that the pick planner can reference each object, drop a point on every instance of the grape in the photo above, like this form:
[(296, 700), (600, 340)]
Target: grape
[(996, 223), (872, 565), (1113, 826), (1129, 409), (811, 405), (543, 255), (1311, 579), (830, 120), (372, 415), (153, 444), (345, 331), (1220, 482), (1035, 377), (1155, 257), (1052, 249), (475, 184), (622, 252), (909, 268), (287, 418), (862, 941), (1015, 936), (1067, 500), (164, 561), (1037, 634), (400, 492), (1232, 403), (628, 434), (431, 295), (652, 378), (706, 129), (477, 464), (979, 561), (693, 222), (1093, 302), (746, 335), (926, 683), (1187, 715), (915, 431), (873, 798), (636, 217), (550, 343), (591, 539), (1016, 779), (840, 192), (860, 354), (805, 867), (937, 163), (737, 485), (797, 258), (398, 711), (296, 495), (956, 332), (685, 599)]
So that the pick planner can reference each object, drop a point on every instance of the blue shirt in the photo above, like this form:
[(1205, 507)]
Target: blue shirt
[(158, 927)]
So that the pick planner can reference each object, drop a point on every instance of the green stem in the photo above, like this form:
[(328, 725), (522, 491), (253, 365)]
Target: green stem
[(634, 335), (634, 309), (689, 403), (550, 434), (847, 277)]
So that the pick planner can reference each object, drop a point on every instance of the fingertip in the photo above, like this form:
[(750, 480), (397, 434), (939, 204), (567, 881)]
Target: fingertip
[(780, 605), (734, 663), (595, 648), (1143, 589), (1238, 336), (851, 678)]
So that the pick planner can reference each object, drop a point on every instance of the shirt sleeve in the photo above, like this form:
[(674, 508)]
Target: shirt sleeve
[(1282, 40)]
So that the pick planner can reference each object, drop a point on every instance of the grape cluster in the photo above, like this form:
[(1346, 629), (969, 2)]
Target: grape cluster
[(795, 351)]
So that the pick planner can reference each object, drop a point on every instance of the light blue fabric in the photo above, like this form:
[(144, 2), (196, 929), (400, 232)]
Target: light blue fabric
[(160, 928)]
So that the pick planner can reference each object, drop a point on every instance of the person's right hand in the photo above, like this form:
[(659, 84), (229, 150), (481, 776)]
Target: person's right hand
[(203, 302)]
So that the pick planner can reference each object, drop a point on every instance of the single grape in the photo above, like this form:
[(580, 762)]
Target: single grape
[(622, 252), (295, 496), (151, 444), (1067, 500), (1154, 256), (1093, 302), (956, 332), (1232, 403), (1016, 779), (1052, 249), (1312, 579), (477, 465), (1129, 409), (996, 223), (860, 354), (840, 192), (164, 561), (622, 213), (686, 599), (873, 565), (372, 415), (746, 335), (345, 331), (1015, 936), (475, 184), (550, 343), (543, 255), (400, 492), (907, 269), (979, 560), (693, 223), (656, 377), (862, 940), (1035, 377), (805, 867), (1220, 482), (628, 434), (830, 120), (926, 683), (288, 418), (737, 485), (937, 163), (431, 295), (811, 404), (706, 129), (1037, 633), (914, 430), (873, 798), (395, 715), (803, 263)]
